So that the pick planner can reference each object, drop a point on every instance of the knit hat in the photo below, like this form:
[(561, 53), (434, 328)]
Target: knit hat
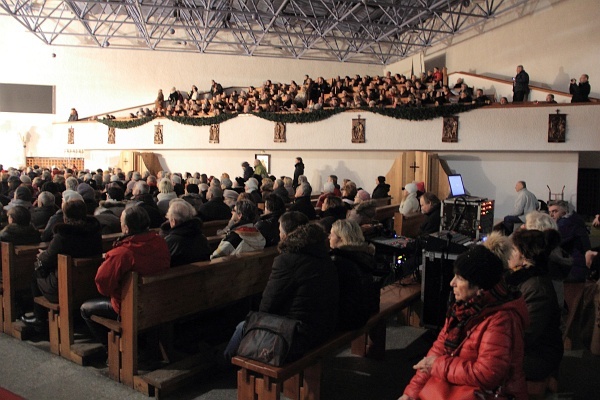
[(363, 195), (480, 267), (411, 188), (25, 179), (230, 194), (86, 191)]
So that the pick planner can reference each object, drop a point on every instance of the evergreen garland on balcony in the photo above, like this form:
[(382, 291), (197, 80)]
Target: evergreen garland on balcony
[(421, 113), (408, 113), (203, 121), (134, 123)]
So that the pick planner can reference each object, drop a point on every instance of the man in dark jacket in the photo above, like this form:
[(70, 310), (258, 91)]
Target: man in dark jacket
[(303, 203), (381, 190), (214, 209), (268, 225), (141, 196), (183, 234), (520, 85), (298, 170), (582, 91), (79, 236), (19, 229), (46, 208)]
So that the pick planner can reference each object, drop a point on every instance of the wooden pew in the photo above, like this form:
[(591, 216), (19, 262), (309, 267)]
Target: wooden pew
[(210, 228), (149, 302), (76, 284), (408, 226), (301, 379), (17, 275)]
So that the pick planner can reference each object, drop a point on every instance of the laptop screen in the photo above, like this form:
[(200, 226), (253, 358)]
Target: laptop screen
[(456, 185)]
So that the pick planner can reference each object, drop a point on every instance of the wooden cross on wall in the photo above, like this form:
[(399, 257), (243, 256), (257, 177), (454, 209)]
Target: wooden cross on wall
[(414, 167)]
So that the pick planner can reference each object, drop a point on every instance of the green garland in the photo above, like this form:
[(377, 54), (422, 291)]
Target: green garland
[(134, 123), (422, 113), (203, 121), (408, 113), (300, 117)]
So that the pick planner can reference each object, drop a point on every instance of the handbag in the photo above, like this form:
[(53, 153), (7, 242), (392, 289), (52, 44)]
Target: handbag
[(440, 389), (267, 337)]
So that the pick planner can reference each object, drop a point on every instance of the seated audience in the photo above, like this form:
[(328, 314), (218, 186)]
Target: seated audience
[(183, 233), (138, 250), (243, 236), (22, 197), (333, 209), (143, 198), (349, 192), (409, 205), (528, 271), (364, 211), (431, 207), (266, 188), (481, 344), (78, 236), (302, 202), (166, 194), (230, 197), (46, 208), (251, 187), (268, 224), (303, 285), (280, 190), (328, 189), (355, 263), (214, 209), (382, 189), (19, 229)]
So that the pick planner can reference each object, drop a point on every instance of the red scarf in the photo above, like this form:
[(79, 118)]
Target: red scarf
[(462, 315)]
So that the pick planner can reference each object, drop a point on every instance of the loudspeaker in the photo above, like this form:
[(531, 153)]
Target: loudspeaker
[(438, 271)]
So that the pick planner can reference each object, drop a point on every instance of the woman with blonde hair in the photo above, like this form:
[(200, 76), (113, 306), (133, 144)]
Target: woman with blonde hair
[(355, 263)]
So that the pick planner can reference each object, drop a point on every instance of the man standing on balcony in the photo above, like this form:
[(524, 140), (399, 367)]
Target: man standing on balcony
[(582, 91), (520, 85)]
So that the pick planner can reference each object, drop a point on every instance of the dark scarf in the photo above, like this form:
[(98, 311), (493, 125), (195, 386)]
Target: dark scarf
[(462, 315)]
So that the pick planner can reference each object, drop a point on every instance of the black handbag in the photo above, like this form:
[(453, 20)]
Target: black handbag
[(268, 338)]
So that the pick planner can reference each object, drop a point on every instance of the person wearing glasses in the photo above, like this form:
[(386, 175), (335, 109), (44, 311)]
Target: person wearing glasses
[(243, 236)]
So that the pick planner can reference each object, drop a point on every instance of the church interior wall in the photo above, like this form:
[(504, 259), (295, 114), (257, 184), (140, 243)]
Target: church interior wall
[(555, 41)]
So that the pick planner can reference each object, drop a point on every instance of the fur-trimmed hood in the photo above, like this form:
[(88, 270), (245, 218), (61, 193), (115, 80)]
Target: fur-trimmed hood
[(307, 239), (367, 208)]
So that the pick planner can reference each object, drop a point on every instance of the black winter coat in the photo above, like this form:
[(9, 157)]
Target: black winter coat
[(543, 338), (41, 215), (75, 240), (304, 205), (303, 285), (359, 294), (19, 234), (381, 191), (186, 242), (298, 170), (214, 210), (268, 225)]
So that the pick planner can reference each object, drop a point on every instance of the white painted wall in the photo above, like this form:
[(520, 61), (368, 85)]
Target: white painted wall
[(97, 81), (493, 175), (555, 41)]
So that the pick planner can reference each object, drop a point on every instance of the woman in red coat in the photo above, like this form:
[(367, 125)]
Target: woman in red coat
[(481, 345)]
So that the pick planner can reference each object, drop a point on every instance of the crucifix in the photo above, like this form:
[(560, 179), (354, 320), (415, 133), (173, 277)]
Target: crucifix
[(414, 167)]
